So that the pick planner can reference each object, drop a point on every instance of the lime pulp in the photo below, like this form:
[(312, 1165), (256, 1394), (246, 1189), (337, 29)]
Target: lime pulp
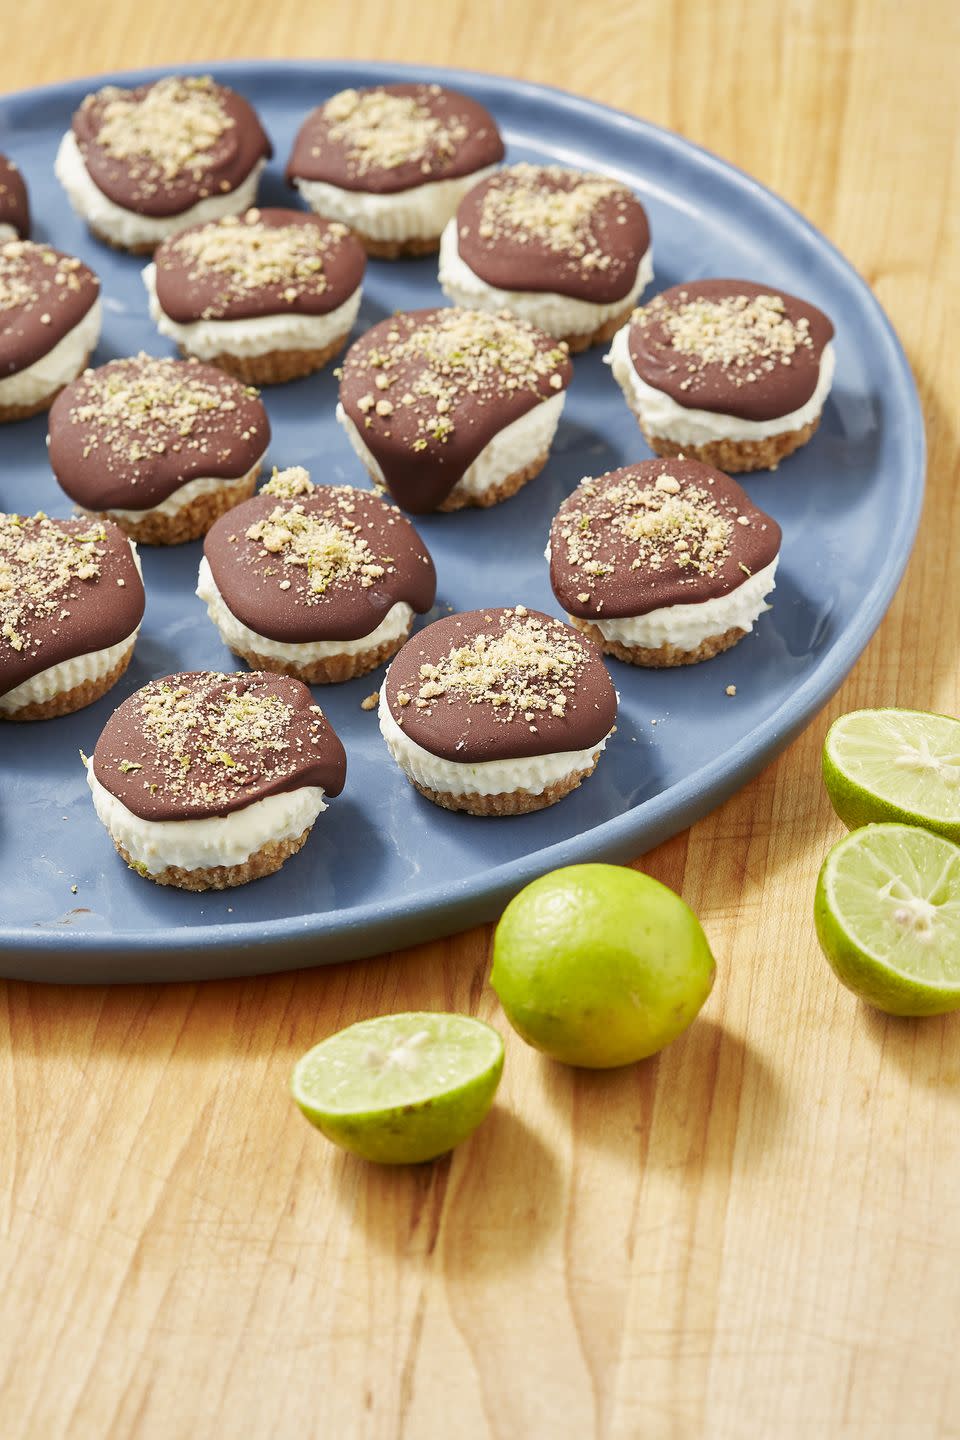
[(896, 765)]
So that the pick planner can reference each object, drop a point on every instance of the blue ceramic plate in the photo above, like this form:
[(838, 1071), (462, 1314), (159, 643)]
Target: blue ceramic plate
[(384, 868)]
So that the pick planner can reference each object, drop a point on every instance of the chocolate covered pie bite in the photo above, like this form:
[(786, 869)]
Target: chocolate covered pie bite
[(49, 324), (14, 205), (393, 162), (159, 446), (317, 581), (268, 296), (497, 712), (663, 563), (205, 780), (71, 602), (726, 371), (448, 408), (566, 250), (138, 165)]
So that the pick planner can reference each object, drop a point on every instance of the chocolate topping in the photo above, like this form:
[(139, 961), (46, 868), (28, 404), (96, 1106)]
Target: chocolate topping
[(388, 138), (199, 744), (664, 532), (546, 228), (160, 148), (266, 262), (130, 433), (43, 295), (14, 205), (730, 347), (428, 389), (302, 562), (500, 685), (67, 588)]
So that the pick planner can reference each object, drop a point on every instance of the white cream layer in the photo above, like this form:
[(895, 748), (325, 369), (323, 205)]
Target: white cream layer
[(394, 626), (416, 214), (179, 500), (687, 626), (216, 840), (662, 416), (485, 777), (125, 227), (259, 336), (557, 314), (7, 232), (58, 679), (58, 367), (513, 448)]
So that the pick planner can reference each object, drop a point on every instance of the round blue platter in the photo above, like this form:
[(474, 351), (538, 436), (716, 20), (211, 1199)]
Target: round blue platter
[(384, 868)]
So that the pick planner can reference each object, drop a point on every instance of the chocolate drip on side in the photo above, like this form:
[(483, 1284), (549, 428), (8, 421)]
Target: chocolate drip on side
[(423, 451)]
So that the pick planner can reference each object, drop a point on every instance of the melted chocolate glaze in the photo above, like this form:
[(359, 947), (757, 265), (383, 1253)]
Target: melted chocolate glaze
[(188, 292), (14, 205), (719, 388), (421, 479), (623, 591), (456, 728), (514, 258), (127, 462), (131, 463), (249, 576), (140, 771), (136, 184), (88, 614), (58, 290), (317, 156)]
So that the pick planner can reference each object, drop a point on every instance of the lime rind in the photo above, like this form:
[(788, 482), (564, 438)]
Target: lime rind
[(887, 914), (401, 1089), (895, 765)]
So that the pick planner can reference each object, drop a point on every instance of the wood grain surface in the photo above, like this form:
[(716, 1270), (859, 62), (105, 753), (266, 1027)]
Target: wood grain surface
[(755, 1235)]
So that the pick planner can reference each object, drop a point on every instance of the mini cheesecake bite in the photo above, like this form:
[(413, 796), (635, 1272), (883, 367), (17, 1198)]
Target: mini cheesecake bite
[(161, 447), (317, 581), (204, 780), (138, 165), (49, 325), (71, 602), (566, 250), (268, 296), (393, 162), (497, 712), (14, 205), (663, 563), (726, 371), (448, 408)]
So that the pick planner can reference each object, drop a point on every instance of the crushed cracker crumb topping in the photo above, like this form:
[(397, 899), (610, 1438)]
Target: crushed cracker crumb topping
[(42, 564), (381, 131), (167, 131)]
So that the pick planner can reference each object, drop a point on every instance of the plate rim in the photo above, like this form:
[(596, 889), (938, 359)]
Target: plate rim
[(240, 948)]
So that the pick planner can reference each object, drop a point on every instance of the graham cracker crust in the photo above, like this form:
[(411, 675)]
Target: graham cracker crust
[(663, 657), (69, 700), (265, 861)]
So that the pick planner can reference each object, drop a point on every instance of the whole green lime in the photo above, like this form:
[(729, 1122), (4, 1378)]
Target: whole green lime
[(599, 965)]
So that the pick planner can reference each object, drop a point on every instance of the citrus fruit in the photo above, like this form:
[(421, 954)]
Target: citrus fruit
[(599, 965), (887, 913), (401, 1088), (895, 765)]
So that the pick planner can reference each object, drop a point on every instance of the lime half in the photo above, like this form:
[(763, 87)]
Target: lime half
[(887, 912), (895, 765), (401, 1088)]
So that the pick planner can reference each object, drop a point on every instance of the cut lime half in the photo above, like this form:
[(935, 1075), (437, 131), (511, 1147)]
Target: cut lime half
[(895, 765), (401, 1088), (887, 913)]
